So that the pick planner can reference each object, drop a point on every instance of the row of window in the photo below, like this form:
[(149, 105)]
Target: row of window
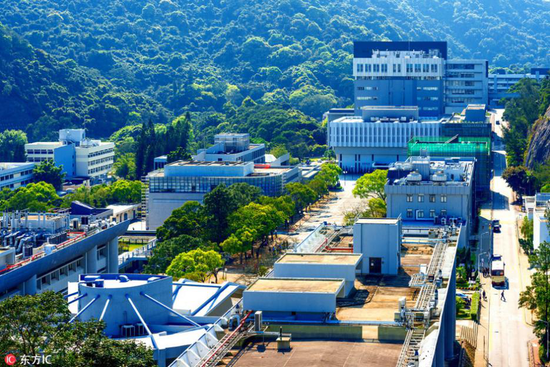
[(367, 88), (100, 168), (432, 198), (460, 75), (101, 152), (11, 175), (367, 98), (39, 151), (38, 159), (420, 213), (102, 160), (383, 68), (426, 98), (462, 91), (461, 83)]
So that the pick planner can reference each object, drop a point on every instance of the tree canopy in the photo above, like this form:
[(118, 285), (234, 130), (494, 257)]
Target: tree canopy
[(48, 172), (371, 184)]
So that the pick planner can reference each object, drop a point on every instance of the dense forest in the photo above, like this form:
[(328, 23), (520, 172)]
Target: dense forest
[(108, 64)]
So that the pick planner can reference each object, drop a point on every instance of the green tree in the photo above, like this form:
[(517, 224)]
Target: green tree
[(189, 219), (196, 265), (519, 179), (12, 146), (330, 173), (302, 195), (165, 251), (218, 205), (39, 324), (371, 184), (243, 193), (125, 192), (376, 208), (48, 172), (40, 196), (125, 166)]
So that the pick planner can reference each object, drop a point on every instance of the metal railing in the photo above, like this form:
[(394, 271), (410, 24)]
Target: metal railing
[(139, 253)]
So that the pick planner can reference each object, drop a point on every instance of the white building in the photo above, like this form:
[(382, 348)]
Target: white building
[(540, 228), (379, 241), (378, 137), (14, 175), (78, 155)]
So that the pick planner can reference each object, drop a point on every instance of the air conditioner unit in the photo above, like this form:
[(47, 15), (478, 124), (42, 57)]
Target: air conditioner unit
[(127, 331)]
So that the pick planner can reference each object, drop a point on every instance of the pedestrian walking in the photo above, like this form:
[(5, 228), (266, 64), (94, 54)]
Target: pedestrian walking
[(502, 298), (484, 295)]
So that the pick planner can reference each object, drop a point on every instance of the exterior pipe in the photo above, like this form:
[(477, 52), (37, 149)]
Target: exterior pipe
[(84, 309), (77, 298), (169, 309), (143, 322), (105, 308)]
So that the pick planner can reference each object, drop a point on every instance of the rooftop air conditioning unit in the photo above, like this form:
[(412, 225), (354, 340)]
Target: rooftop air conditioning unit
[(128, 331), (414, 177)]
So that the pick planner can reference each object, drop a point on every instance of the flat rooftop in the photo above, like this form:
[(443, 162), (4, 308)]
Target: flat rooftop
[(320, 258), (321, 353), (11, 165), (378, 220), (296, 285), (208, 163)]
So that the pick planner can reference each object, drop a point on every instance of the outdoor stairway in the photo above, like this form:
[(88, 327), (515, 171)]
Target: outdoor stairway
[(413, 339)]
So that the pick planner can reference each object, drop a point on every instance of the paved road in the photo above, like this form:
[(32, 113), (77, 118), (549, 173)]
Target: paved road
[(333, 211), (508, 331)]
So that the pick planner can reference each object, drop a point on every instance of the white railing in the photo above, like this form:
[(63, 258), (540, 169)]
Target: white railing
[(141, 252)]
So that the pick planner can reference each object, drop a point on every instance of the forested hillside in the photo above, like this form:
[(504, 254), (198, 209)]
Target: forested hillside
[(211, 55)]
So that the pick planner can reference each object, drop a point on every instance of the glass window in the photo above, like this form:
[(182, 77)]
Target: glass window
[(409, 213), (426, 68), (417, 68), (432, 198), (420, 214), (443, 198), (420, 198), (432, 213), (409, 68), (443, 212), (409, 198)]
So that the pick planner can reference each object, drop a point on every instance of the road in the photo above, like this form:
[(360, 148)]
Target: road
[(333, 211), (509, 332)]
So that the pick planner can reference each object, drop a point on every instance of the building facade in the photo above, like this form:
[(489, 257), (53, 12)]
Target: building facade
[(184, 181), (78, 155), (416, 74), (231, 147), (500, 84), (441, 192), (378, 137), (14, 175)]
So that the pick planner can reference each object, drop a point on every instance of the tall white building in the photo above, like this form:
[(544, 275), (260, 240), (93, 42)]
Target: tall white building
[(79, 156)]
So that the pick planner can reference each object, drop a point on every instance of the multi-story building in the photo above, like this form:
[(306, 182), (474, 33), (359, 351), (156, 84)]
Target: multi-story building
[(79, 156), (182, 181), (45, 251), (416, 74), (500, 84), (232, 147), (478, 148), (14, 175), (423, 189), (377, 137), (465, 83)]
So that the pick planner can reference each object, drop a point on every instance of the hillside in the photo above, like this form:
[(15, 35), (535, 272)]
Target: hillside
[(41, 94), (198, 56), (538, 151)]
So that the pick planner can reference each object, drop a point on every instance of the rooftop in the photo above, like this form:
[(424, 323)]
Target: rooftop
[(320, 258), (12, 165), (378, 220), (296, 285)]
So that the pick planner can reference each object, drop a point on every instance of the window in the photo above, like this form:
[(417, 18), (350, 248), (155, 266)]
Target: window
[(434, 68), (426, 68), (432, 213), (409, 198), (432, 198), (376, 68), (420, 214), (443, 212), (384, 68), (443, 198), (409, 68), (417, 68), (394, 68), (398, 68), (409, 213), (368, 68), (359, 68), (420, 198)]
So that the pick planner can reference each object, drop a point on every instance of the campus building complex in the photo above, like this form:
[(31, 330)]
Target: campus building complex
[(79, 156), (500, 84), (416, 74), (182, 181)]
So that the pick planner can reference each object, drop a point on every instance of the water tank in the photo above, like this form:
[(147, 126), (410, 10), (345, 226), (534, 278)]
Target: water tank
[(439, 176), (414, 177)]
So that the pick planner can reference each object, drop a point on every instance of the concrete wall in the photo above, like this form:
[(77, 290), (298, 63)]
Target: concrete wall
[(289, 301), (540, 229), (305, 270), (391, 333), (325, 332), (65, 156), (161, 205), (378, 239)]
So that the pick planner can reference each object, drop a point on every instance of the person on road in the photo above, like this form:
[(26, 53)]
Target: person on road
[(484, 296), (502, 298)]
